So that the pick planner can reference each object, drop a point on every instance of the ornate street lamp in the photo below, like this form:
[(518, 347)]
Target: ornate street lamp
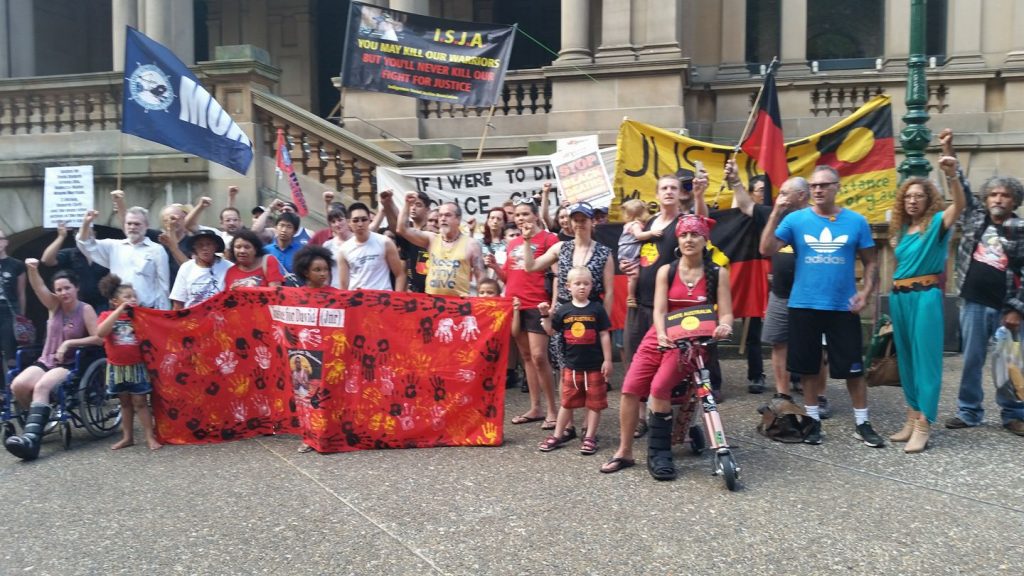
[(916, 135)]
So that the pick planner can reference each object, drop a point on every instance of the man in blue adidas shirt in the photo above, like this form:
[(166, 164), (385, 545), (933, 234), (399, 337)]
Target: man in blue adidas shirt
[(827, 240)]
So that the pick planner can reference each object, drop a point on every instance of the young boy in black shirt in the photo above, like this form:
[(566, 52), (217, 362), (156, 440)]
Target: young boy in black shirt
[(588, 360)]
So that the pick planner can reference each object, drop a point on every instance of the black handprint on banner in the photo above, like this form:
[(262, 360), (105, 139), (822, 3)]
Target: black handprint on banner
[(412, 382), (493, 350), (408, 306), (427, 329), (439, 392)]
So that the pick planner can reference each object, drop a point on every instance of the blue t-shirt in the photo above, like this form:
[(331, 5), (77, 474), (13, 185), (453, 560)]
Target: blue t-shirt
[(826, 253), (284, 257)]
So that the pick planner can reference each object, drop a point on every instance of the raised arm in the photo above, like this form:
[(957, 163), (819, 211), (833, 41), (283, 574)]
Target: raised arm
[(117, 199), (949, 165), (395, 264), (261, 222), (378, 218), (700, 188), (770, 243), (193, 216), (551, 221), (88, 245), (47, 298), (387, 207), (740, 197), (417, 237), (232, 196), (49, 256)]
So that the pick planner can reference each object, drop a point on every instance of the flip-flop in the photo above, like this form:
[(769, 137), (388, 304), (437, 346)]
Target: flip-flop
[(641, 429), (548, 425), (617, 464), (524, 419)]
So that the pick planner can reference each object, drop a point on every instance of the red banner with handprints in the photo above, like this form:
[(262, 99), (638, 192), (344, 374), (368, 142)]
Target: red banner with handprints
[(348, 370)]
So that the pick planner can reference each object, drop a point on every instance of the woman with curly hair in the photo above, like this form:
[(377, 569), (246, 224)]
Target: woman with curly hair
[(919, 233)]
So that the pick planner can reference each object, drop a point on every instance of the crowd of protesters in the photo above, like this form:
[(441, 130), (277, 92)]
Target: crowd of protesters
[(561, 279)]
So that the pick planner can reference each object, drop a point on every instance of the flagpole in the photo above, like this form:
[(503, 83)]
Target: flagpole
[(750, 122), (483, 137), (120, 159)]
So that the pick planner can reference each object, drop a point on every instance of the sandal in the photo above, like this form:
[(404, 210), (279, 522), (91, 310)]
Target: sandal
[(641, 429), (547, 425), (569, 434), (589, 446), (524, 419), (550, 443), (616, 464)]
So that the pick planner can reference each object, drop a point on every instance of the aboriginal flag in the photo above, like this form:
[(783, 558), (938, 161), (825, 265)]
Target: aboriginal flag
[(736, 238), (764, 143)]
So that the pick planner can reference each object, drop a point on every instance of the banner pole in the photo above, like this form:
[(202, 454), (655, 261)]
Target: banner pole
[(483, 137), (746, 127), (120, 159)]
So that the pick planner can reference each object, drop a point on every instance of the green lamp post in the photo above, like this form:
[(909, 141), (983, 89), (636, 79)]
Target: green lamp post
[(916, 135)]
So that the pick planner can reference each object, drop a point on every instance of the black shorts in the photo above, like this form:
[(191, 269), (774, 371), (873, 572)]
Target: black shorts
[(638, 321), (843, 332), (529, 321)]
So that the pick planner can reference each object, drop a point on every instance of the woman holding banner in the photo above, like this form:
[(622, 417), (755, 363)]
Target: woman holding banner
[(532, 340), (580, 250)]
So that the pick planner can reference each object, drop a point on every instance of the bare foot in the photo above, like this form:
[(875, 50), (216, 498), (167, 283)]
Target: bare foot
[(124, 443), (153, 444)]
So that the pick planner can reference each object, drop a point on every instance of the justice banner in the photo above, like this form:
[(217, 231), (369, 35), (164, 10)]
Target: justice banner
[(860, 147), (414, 55), (476, 186), (348, 370)]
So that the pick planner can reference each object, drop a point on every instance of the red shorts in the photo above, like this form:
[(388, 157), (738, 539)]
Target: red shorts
[(584, 388), (653, 372)]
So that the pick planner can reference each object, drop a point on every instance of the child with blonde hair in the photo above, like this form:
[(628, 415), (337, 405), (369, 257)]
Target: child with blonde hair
[(634, 218)]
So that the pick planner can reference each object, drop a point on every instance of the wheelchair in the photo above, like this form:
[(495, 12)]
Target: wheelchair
[(81, 401)]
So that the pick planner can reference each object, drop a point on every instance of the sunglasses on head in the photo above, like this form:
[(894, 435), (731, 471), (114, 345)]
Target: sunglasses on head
[(524, 200)]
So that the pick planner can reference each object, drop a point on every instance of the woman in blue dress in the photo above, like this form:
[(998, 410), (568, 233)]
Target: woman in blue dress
[(919, 232)]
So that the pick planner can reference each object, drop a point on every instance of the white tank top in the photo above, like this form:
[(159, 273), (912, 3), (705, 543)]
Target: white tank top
[(367, 264)]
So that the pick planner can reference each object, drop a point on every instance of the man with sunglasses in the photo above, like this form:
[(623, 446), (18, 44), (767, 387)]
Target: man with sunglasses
[(368, 260), (455, 258), (826, 239)]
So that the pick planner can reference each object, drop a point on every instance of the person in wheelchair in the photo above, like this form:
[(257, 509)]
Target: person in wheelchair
[(72, 324), (690, 281)]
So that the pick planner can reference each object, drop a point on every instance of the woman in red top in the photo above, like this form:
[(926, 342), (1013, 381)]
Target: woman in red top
[(529, 288), (126, 373), (654, 370), (253, 266)]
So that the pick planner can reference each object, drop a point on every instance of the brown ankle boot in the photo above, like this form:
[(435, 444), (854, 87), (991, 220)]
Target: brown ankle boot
[(908, 427), (919, 439)]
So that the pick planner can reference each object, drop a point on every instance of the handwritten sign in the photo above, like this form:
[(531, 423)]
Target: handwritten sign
[(581, 173), (67, 195)]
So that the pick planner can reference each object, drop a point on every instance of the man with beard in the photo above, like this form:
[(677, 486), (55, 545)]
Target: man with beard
[(455, 257), (136, 259)]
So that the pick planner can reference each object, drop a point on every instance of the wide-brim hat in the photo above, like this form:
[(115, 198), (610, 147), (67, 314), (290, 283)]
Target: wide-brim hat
[(190, 242)]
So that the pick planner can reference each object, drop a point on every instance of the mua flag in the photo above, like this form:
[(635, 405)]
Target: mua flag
[(165, 103), (428, 58), (284, 164)]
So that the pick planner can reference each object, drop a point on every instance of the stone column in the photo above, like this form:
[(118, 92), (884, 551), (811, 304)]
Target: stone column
[(123, 13), (575, 31), (964, 42), (793, 60), (1016, 54), (413, 6), (897, 40), (662, 28), (183, 31), (156, 21), (616, 32), (734, 40), (5, 50), (21, 39)]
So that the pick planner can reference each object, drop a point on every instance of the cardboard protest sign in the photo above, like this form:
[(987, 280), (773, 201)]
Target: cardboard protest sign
[(581, 172)]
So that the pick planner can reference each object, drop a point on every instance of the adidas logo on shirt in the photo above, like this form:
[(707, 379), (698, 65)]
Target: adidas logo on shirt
[(825, 244)]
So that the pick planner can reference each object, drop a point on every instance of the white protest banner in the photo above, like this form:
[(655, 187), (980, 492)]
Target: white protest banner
[(476, 186), (581, 173), (67, 195)]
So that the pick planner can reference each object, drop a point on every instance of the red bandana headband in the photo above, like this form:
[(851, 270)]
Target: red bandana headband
[(693, 223)]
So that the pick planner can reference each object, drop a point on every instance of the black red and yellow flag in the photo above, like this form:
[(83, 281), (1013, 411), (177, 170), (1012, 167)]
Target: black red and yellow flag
[(764, 143)]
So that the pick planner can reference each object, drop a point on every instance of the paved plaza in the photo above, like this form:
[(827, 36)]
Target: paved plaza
[(258, 507)]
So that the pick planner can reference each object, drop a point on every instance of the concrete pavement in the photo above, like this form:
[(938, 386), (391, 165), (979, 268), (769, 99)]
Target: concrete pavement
[(258, 507)]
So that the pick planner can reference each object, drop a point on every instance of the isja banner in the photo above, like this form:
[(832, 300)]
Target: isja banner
[(429, 58)]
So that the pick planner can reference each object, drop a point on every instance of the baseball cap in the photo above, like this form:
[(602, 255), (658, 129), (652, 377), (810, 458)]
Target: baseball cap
[(581, 208)]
